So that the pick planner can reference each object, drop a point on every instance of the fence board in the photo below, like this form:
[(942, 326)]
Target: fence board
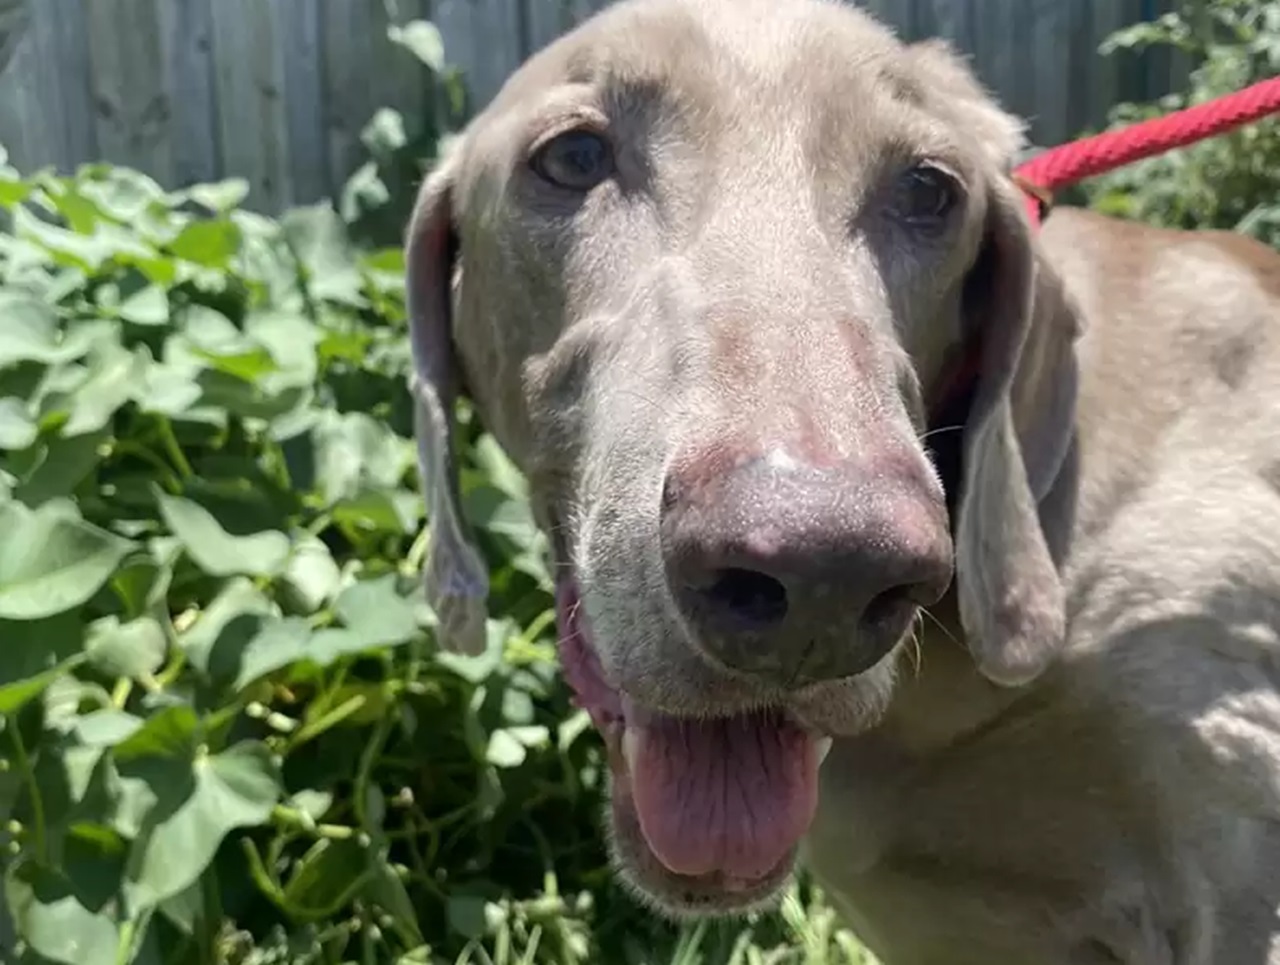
[(304, 102), (491, 45), (128, 87), (250, 84), (187, 30), (278, 91), (1054, 30), (60, 35), (16, 101)]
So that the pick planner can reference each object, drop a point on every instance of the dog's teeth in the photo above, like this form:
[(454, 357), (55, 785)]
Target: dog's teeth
[(630, 740), (824, 748)]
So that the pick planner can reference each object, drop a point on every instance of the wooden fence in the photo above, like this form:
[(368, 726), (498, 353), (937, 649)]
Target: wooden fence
[(277, 91)]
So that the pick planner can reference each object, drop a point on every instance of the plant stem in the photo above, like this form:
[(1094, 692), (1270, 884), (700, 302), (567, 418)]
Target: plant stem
[(174, 451), (33, 789)]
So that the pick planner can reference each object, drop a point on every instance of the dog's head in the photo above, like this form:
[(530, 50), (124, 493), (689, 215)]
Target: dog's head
[(713, 272)]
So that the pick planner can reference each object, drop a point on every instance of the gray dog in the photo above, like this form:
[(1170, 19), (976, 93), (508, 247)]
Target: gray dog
[(841, 461)]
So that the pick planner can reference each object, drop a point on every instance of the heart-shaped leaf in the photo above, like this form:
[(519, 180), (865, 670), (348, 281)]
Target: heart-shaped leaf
[(51, 560), (53, 920), (134, 649), (218, 552), (198, 803)]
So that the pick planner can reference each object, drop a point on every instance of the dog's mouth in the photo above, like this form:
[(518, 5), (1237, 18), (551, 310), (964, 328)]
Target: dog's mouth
[(720, 803)]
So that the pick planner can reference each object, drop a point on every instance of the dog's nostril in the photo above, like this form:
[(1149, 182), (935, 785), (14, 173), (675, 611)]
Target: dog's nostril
[(751, 597), (890, 606)]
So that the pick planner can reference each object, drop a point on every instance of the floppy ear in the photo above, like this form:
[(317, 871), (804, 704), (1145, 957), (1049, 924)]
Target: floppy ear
[(1016, 439), (1019, 426), (456, 578)]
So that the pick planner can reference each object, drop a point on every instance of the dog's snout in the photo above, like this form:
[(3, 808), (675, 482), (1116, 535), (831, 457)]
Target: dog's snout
[(797, 574)]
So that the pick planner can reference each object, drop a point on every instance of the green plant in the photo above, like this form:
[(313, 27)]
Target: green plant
[(225, 733), (1231, 181), (375, 198)]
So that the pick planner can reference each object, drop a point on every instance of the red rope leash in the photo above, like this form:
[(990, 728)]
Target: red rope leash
[(1068, 163)]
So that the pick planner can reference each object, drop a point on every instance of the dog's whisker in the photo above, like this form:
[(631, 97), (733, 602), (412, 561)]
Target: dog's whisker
[(939, 430), (924, 612)]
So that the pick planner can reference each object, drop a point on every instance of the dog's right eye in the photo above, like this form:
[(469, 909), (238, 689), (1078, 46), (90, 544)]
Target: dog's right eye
[(577, 160)]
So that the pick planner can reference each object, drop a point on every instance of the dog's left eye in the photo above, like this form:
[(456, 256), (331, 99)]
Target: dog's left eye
[(577, 160), (924, 195)]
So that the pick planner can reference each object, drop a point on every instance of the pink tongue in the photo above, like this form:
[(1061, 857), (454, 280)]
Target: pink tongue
[(732, 795)]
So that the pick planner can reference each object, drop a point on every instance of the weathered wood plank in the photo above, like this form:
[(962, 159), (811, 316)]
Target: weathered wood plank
[(950, 20), (60, 35), (547, 20), (250, 84), (495, 40), (187, 31), (309, 176), (1053, 35), (347, 83), (1111, 78), (15, 101), (129, 87)]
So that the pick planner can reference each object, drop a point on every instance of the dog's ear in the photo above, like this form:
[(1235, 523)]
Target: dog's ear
[(1016, 439), (1020, 422), (456, 578)]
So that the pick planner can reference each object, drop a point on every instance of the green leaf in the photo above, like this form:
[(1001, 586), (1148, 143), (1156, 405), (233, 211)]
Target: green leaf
[(318, 238), (467, 915), (422, 39), (133, 650), (375, 614), (215, 642), (388, 892), (171, 732), (208, 243), (198, 803), (30, 332), (34, 654), (52, 560), (377, 609), (385, 133), (113, 377), (504, 750), (355, 453), (220, 196), (326, 878), (277, 644), (17, 428), (218, 552), (148, 306), (53, 921), (311, 576), (59, 466), (107, 727), (120, 193)]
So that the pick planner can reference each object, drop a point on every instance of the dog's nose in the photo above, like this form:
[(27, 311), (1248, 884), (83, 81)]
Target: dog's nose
[(797, 574)]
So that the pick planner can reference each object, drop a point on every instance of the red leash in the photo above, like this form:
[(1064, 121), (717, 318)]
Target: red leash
[(1066, 164)]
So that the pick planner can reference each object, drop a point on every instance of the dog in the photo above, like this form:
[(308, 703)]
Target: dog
[(892, 535)]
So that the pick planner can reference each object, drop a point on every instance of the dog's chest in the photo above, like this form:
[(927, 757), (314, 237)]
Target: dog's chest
[(1015, 846)]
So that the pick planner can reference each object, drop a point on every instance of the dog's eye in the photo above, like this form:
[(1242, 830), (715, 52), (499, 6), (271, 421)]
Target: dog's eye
[(924, 195), (577, 160)]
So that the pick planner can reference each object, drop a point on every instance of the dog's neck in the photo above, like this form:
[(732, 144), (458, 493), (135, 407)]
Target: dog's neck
[(941, 697)]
